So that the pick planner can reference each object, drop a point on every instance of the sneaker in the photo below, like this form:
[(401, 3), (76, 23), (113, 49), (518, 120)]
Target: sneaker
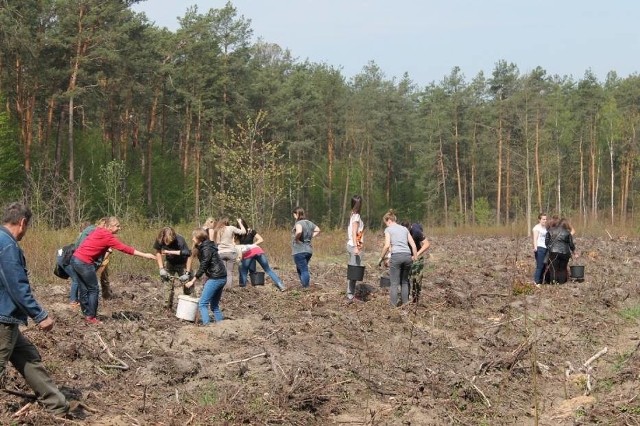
[(92, 321)]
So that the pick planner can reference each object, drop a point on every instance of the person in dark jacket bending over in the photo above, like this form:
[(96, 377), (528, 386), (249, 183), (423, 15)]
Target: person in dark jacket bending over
[(559, 241), (17, 303), (214, 268), (176, 252)]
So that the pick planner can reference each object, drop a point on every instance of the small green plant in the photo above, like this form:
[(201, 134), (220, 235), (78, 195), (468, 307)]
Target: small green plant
[(295, 293), (619, 361), (605, 385), (209, 395), (631, 313), (520, 287), (630, 409)]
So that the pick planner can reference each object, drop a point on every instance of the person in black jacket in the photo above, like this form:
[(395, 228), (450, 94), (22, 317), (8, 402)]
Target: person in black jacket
[(213, 267), (176, 252), (560, 246), (251, 237)]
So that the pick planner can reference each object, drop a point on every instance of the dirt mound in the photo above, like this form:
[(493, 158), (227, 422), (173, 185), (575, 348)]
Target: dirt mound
[(482, 346)]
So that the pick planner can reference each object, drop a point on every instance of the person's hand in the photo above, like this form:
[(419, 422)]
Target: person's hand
[(190, 283), (185, 277), (164, 273), (46, 324)]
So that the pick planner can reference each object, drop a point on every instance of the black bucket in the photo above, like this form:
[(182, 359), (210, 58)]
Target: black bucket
[(257, 278), (385, 282), (355, 273), (577, 272)]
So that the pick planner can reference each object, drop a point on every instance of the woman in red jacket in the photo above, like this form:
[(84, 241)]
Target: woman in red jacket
[(92, 248)]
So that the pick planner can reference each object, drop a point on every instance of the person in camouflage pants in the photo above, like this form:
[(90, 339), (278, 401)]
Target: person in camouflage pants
[(415, 278), (417, 268)]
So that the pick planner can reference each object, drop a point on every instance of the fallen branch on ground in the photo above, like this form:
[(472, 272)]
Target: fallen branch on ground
[(477, 389), (21, 394), (593, 358), (22, 410), (121, 366), (248, 359)]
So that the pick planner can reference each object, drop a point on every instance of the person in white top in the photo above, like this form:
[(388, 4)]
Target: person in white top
[(539, 247), (223, 236), (354, 241)]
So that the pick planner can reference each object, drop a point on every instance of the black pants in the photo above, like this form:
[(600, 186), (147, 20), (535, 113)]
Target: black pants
[(556, 269)]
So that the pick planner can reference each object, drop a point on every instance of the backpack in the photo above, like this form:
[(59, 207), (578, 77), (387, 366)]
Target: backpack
[(59, 272), (67, 253), (63, 258)]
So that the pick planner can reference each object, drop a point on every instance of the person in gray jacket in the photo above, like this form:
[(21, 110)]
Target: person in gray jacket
[(399, 242), (560, 247), (17, 304)]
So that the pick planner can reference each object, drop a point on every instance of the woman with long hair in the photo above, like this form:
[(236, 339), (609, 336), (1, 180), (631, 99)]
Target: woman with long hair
[(398, 241), (250, 238), (223, 235), (92, 248), (301, 249), (539, 247), (176, 253), (355, 241), (559, 242), (212, 266)]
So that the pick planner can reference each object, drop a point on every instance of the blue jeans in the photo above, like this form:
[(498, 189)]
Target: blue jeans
[(211, 294), (302, 267), (537, 275), (74, 294), (245, 266), (252, 270), (88, 283)]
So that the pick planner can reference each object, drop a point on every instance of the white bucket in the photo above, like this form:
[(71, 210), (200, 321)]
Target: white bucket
[(187, 307)]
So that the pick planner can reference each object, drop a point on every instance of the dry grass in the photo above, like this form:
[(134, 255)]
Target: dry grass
[(40, 245)]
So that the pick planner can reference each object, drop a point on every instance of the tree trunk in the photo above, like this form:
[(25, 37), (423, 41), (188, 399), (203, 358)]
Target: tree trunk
[(583, 201), (59, 143), (25, 105), (197, 180), (443, 177), (593, 179), (499, 172), (474, 170), (507, 195), (458, 173), (537, 163), (330, 160)]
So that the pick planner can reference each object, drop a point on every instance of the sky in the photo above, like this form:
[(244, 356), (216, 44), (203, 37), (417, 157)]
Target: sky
[(428, 38)]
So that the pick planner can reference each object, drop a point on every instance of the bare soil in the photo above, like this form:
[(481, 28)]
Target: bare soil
[(482, 346)]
